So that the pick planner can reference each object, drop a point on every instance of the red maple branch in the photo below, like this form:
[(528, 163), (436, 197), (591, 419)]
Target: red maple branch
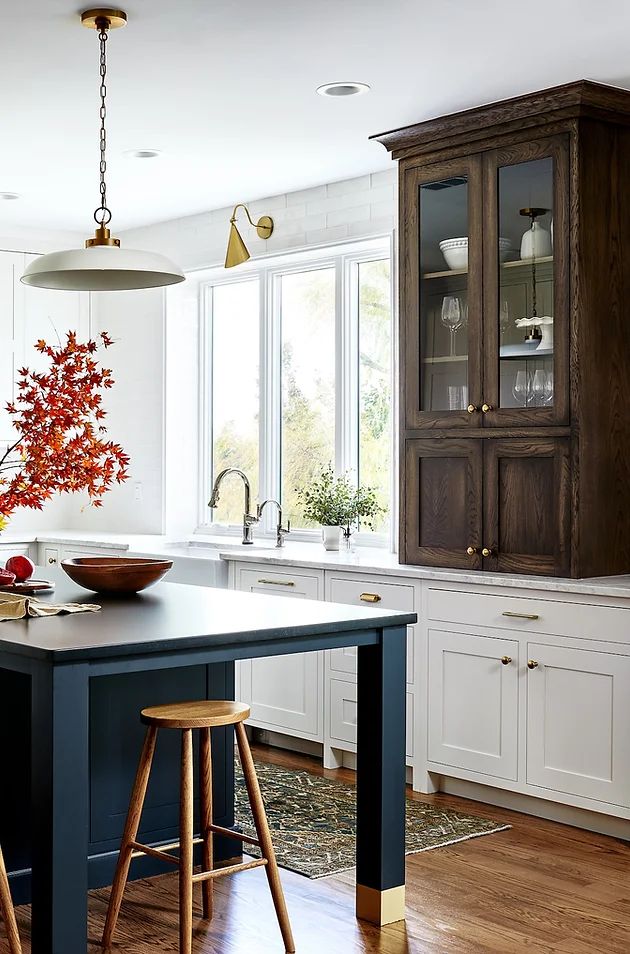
[(61, 444)]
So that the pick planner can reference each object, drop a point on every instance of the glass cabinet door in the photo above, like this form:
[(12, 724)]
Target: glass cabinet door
[(442, 305), (525, 276)]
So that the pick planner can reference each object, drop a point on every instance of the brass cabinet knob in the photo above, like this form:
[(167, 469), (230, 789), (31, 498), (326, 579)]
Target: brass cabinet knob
[(486, 407), (486, 552), (506, 660), (532, 664), (472, 408), (52, 560), (472, 550)]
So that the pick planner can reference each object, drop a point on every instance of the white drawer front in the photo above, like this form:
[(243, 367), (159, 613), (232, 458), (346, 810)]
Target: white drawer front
[(343, 715), (529, 614), (578, 706), (262, 580), (370, 592)]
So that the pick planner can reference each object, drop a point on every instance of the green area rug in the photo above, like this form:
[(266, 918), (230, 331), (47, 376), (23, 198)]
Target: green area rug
[(313, 821)]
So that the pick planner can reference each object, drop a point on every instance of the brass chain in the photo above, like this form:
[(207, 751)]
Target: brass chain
[(102, 215)]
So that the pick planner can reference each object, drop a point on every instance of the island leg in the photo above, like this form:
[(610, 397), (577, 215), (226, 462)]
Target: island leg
[(60, 718), (381, 685)]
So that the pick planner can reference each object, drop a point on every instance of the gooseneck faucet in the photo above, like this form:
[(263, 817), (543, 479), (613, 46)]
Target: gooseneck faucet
[(281, 531), (248, 518)]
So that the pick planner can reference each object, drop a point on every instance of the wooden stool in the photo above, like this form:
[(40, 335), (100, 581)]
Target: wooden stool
[(7, 913), (187, 716)]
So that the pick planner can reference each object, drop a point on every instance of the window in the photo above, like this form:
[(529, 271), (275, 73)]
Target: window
[(298, 371)]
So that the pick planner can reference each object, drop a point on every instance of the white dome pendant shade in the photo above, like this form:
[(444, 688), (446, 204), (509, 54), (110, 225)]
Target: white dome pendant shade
[(102, 265), (102, 268)]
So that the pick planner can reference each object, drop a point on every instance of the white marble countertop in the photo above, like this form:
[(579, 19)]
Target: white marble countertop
[(371, 560)]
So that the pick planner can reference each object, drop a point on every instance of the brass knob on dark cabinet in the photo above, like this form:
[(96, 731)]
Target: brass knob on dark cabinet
[(486, 407), (486, 552), (472, 550), (506, 660), (532, 664), (472, 408)]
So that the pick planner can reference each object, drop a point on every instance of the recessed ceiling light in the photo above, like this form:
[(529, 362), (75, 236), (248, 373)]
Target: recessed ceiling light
[(9, 196), (143, 153), (342, 89)]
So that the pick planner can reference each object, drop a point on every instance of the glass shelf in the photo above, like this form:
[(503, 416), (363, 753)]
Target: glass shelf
[(445, 359), (520, 263), (528, 354)]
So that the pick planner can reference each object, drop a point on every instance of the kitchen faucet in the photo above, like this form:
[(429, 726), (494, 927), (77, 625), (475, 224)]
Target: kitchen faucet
[(281, 531), (248, 518)]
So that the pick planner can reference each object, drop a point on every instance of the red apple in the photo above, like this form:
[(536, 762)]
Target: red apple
[(6, 578), (21, 566)]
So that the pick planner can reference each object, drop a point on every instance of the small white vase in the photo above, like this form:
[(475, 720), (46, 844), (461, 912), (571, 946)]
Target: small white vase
[(330, 537), (536, 243)]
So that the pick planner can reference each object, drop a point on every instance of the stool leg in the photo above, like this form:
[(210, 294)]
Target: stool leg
[(130, 834), (205, 779), (186, 836), (264, 836), (7, 912)]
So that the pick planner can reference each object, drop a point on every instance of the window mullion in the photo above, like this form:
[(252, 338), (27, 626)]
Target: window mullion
[(347, 368)]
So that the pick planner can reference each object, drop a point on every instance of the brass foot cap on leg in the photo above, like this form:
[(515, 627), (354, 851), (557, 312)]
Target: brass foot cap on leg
[(380, 907)]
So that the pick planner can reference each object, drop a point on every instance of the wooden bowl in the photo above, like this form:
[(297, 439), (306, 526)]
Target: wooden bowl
[(115, 574)]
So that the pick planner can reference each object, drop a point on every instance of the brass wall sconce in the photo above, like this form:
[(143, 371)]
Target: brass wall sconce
[(237, 250)]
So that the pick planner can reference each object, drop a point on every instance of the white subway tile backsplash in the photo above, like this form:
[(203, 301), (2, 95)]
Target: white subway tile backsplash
[(344, 216), (322, 236), (386, 177), (306, 195), (373, 227), (346, 186), (351, 200)]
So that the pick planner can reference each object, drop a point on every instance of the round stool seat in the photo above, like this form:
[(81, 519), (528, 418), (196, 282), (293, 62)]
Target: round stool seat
[(201, 714)]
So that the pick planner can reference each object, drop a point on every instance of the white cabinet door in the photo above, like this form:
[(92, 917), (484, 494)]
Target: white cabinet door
[(73, 553), (11, 267), (366, 592), (578, 723), (13, 549), (473, 703), (342, 699), (284, 692)]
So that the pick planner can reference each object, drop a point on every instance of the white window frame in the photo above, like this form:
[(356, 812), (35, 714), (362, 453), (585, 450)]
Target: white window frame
[(345, 258)]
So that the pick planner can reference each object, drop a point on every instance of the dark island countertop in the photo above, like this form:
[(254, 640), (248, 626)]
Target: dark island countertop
[(174, 616)]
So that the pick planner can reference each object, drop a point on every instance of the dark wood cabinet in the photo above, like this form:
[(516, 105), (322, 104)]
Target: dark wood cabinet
[(514, 335)]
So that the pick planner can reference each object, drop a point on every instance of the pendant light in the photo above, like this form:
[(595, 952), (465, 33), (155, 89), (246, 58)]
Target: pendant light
[(102, 265)]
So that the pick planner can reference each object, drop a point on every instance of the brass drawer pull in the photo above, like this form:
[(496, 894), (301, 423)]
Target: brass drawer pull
[(487, 552), (277, 582), (532, 664), (506, 660), (521, 615), (472, 408), (52, 560), (486, 407), (472, 550), (370, 597)]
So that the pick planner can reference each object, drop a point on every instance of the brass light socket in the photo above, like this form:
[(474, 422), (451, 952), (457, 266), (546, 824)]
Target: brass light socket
[(102, 236)]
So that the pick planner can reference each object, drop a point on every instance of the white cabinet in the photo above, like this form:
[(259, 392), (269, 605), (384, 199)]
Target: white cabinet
[(51, 554), (578, 722), (285, 693), (342, 703), (14, 549), (473, 702)]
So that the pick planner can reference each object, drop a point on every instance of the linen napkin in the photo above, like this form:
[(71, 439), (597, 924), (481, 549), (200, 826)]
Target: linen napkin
[(14, 606)]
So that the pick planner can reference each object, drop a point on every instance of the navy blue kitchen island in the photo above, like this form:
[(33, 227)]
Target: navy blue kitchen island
[(71, 688)]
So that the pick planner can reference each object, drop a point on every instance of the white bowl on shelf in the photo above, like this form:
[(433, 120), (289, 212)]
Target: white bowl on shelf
[(455, 251)]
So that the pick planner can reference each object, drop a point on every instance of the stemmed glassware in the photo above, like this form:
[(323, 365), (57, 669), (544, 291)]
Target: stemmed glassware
[(454, 315), (522, 389), (536, 388)]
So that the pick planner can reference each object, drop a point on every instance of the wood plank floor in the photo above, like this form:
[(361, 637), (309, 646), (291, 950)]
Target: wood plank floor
[(540, 887)]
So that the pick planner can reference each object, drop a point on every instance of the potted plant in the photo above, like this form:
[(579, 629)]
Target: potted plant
[(60, 443), (334, 503)]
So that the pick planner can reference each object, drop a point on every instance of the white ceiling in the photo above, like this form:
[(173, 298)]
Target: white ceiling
[(227, 90)]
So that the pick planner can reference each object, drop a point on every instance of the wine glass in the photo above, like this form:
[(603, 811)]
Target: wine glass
[(521, 389), (504, 317), (540, 387), (548, 393), (452, 317)]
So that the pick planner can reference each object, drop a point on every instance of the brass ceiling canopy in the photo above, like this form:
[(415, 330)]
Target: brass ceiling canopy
[(102, 265), (237, 251)]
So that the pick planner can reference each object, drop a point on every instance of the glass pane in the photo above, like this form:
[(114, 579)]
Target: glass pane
[(444, 294), (235, 392), (375, 388), (526, 284), (307, 308)]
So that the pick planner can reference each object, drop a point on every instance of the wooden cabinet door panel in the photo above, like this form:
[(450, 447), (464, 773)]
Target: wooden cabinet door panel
[(442, 490), (473, 703), (578, 713), (510, 284), (527, 505)]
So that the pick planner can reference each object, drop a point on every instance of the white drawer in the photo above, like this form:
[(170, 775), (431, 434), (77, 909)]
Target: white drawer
[(529, 614), (395, 596), (343, 714), (262, 580)]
